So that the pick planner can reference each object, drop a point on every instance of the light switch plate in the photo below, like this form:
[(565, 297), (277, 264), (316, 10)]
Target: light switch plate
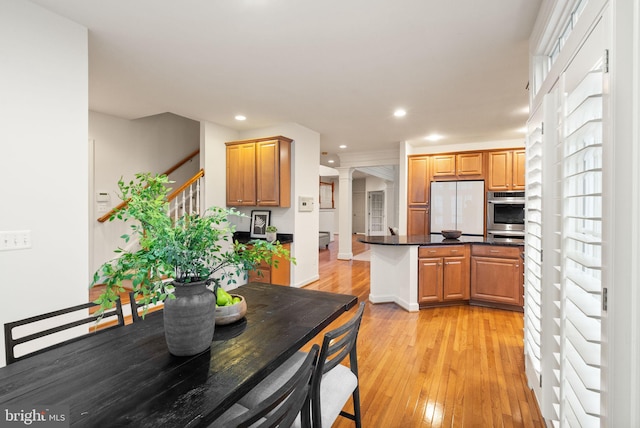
[(15, 240), (305, 203)]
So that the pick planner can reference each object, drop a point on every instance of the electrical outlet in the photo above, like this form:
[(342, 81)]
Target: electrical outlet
[(15, 240)]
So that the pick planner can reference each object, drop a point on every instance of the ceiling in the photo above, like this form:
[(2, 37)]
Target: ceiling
[(339, 67)]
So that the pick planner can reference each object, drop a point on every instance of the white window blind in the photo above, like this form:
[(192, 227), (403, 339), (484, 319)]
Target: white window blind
[(533, 252), (581, 233)]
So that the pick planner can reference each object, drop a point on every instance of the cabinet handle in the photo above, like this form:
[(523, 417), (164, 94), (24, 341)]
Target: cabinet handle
[(454, 251), (494, 251)]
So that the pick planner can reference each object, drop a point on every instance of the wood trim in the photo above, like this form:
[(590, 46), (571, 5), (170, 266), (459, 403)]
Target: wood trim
[(180, 189), (108, 215), (182, 162), (171, 197), (257, 140)]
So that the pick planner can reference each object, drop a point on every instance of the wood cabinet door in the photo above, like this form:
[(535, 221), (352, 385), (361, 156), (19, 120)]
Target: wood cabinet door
[(260, 275), (429, 280), (443, 165), (519, 159), (455, 278), (241, 176), (418, 180), (496, 280), (500, 170), (281, 270), (418, 221), (268, 173), (469, 164), (278, 273)]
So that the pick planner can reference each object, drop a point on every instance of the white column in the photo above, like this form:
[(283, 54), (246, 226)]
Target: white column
[(345, 251)]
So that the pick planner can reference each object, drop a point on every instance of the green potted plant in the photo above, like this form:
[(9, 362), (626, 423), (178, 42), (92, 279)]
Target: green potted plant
[(270, 233), (180, 262)]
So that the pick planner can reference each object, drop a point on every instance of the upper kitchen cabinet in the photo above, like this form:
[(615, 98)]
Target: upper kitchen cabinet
[(459, 166), (418, 183), (418, 195), (259, 172), (506, 170)]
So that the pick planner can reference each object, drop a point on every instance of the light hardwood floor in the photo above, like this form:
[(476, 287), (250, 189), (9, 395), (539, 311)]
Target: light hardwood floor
[(458, 366)]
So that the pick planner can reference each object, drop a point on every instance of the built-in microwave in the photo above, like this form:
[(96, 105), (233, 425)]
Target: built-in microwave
[(505, 214)]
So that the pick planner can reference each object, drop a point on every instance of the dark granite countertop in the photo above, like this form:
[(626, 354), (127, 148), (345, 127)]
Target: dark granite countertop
[(433, 239), (244, 237)]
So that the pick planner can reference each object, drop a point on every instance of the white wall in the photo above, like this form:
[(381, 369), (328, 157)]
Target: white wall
[(122, 148), (213, 158), (450, 148), (304, 182), (329, 217), (44, 152)]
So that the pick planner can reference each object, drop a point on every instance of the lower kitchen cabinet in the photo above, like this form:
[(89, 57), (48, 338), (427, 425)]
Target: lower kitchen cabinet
[(443, 274), (280, 275), (497, 275)]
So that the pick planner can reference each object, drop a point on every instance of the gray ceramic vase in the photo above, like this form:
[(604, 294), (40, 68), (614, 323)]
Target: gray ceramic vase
[(189, 319)]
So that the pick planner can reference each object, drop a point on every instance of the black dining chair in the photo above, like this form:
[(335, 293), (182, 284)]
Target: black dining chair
[(41, 326), (135, 306), (332, 383), (281, 407), (138, 309)]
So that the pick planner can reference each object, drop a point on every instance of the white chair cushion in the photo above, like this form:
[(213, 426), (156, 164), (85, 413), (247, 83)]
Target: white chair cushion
[(275, 380), (335, 389)]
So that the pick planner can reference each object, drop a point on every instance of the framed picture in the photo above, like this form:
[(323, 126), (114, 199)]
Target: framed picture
[(259, 222)]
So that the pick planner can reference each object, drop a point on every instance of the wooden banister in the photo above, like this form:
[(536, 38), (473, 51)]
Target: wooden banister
[(171, 197), (180, 189), (108, 215), (182, 162)]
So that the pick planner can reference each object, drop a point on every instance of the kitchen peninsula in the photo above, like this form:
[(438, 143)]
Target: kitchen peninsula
[(420, 271)]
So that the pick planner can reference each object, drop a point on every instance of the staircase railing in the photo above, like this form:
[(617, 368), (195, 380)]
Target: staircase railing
[(190, 201), (186, 198)]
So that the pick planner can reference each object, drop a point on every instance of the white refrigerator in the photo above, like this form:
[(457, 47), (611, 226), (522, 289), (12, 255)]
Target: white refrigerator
[(458, 205)]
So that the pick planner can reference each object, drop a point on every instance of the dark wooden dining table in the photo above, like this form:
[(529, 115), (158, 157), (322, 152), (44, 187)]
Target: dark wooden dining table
[(127, 377)]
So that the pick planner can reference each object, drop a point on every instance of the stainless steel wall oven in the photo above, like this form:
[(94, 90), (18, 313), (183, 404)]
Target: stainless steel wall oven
[(505, 215)]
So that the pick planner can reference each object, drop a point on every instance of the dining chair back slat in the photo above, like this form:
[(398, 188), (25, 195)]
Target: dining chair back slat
[(281, 408), (135, 315), (36, 324), (337, 344)]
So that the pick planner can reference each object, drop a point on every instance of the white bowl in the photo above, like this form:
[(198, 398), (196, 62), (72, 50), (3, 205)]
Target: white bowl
[(231, 313)]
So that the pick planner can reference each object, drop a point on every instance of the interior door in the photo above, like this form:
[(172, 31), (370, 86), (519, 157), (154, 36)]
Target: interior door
[(358, 210), (376, 213)]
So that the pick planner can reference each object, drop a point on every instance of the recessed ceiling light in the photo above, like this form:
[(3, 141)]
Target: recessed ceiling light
[(343, 146), (331, 161), (241, 117), (433, 137), (400, 113)]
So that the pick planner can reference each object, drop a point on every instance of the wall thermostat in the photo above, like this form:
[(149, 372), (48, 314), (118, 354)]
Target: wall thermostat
[(103, 197), (305, 203)]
